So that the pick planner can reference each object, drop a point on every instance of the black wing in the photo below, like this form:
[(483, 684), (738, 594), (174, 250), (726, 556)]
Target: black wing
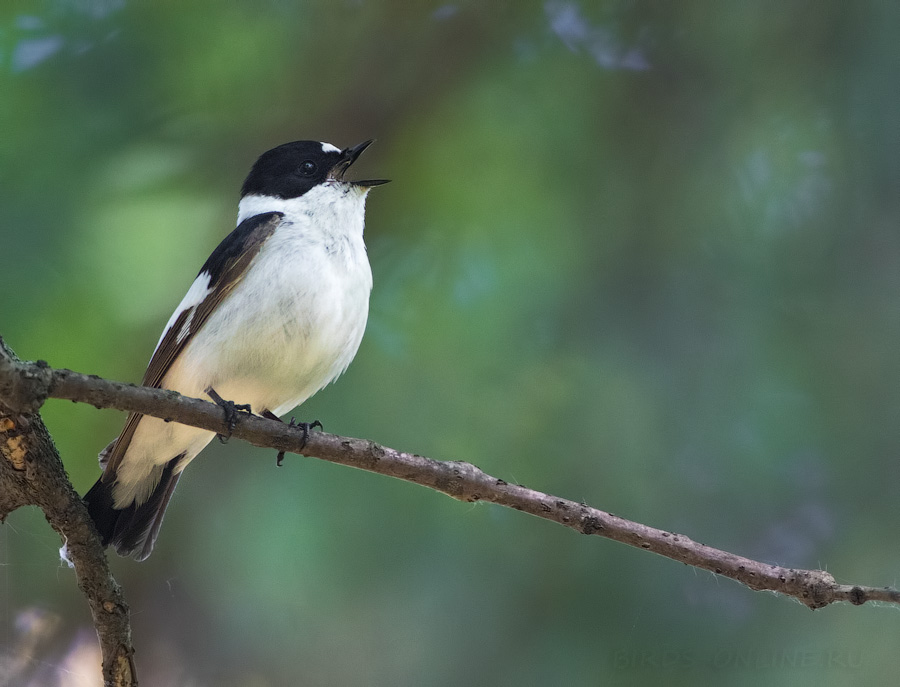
[(225, 267)]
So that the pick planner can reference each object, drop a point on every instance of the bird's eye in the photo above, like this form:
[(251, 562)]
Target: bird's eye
[(307, 168)]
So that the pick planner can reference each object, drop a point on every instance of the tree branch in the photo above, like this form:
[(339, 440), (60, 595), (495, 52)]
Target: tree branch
[(32, 382), (31, 473)]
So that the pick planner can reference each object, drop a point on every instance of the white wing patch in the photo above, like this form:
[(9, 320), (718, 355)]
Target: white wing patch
[(185, 328), (194, 297), (328, 148)]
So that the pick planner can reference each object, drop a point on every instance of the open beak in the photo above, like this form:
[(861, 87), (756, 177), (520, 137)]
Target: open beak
[(348, 157)]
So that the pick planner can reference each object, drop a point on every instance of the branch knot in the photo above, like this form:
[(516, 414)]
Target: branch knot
[(23, 387)]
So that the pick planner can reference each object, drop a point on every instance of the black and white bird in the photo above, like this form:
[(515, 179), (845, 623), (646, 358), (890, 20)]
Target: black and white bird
[(275, 314)]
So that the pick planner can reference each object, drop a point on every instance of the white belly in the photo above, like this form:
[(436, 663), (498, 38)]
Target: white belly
[(292, 326), (275, 352)]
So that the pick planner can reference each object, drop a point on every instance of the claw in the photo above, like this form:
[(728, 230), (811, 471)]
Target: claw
[(279, 459), (231, 409), (305, 427)]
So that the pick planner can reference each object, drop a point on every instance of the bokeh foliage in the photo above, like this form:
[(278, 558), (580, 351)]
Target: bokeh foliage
[(640, 254)]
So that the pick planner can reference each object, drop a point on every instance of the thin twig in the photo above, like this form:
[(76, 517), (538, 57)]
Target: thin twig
[(460, 480)]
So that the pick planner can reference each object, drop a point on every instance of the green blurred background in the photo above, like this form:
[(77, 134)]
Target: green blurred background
[(640, 254)]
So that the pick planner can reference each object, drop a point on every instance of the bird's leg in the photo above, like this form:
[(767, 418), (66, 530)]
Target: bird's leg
[(231, 412), (305, 427)]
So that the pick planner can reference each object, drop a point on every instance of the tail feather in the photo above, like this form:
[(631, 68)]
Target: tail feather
[(132, 530)]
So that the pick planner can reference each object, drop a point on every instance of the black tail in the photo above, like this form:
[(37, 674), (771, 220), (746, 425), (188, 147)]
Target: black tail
[(133, 529)]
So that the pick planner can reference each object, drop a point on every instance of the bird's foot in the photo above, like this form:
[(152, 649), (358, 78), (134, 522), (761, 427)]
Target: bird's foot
[(304, 427), (232, 411)]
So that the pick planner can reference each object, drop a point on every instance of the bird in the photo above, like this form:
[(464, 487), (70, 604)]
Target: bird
[(275, 314)]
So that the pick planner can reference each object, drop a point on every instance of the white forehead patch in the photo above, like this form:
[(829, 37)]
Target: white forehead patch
[(328, 148)]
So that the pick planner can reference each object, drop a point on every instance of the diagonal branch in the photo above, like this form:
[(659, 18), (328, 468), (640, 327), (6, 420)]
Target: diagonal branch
[(460, 480), (31, 473)]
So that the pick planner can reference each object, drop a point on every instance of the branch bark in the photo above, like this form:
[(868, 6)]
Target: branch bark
[(31, 473), (27, 385)]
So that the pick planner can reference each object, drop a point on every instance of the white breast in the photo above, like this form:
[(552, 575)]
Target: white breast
[(296, 320), (291, 326)]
